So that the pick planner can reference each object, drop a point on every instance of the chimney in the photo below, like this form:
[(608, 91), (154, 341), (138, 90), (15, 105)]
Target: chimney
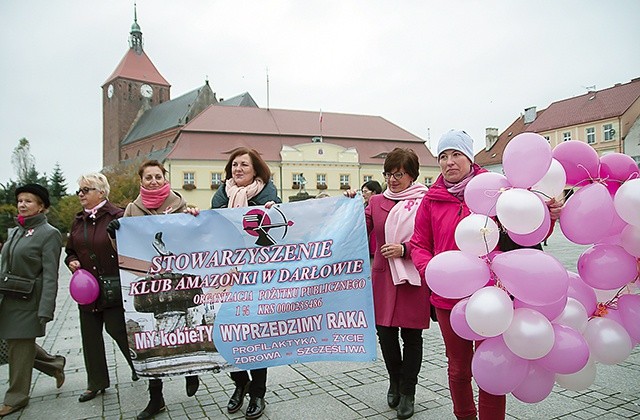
[(491, 137), (529, 115)]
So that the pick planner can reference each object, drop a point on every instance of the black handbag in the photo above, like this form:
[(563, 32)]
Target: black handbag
[(16, 286), (110, 291)]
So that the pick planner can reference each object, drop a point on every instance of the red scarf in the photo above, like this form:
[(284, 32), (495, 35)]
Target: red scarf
[(153, 199)]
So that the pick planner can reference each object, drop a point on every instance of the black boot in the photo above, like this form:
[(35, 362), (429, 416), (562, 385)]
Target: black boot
[(393, 394), (405, 406), (237, 399), (255, 408), (192, 385), (156, 401)]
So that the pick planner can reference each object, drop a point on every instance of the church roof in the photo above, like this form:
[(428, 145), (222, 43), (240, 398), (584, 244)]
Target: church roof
[(164, 116), (244, 99), (137, 67), (220, 129), (592, 106)]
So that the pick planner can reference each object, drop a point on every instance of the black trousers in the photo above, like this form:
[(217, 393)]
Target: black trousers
[(258, 379), (403, 364), (95, 361)]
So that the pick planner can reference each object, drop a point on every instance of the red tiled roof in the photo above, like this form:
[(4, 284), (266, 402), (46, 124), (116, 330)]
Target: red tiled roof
[(218, 130), (592, 106), (493, 156), (137, 67)]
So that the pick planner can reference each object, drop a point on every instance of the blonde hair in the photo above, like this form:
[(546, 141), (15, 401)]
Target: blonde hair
[(96, 180)]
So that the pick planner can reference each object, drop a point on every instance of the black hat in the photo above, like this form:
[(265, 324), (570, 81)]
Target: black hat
[(37, 190)]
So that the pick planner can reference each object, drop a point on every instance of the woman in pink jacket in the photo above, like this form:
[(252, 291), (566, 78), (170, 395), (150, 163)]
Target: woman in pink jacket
[(400, 297), (440, 212)]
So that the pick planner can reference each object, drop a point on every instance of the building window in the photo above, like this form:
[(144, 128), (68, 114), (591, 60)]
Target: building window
[(321, 179), (188, 178), (367, 178), (566, 136), (609, 132), (344, 181), (591, 135), (216, 178), (547, 138), (428, 181)]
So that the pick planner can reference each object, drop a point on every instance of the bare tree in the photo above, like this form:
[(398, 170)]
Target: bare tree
[(22, 160)]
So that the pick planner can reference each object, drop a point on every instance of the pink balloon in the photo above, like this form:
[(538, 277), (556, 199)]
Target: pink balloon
[(526, 159), (459, 322), (537, 385), (532, 276), (496, 369), (454, 274), (569, 353), (588, 204), (535, 237), (482, 192), (617, 225), (582, 292), (84, 288), (629, 309), (579, 160), (550, 311), (615, 168), (607, 267), (630, 240)]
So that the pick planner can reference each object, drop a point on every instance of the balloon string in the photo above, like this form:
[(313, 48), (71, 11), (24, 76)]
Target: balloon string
[(603, 307)]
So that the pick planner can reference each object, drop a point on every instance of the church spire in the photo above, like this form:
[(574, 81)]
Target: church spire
[(135, 36)]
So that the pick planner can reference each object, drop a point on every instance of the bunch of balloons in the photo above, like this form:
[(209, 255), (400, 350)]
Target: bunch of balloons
[(539, 323)]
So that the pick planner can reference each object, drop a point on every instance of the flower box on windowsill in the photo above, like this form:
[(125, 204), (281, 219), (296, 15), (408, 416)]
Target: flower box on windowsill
[(295, 187), (345, 187), (189, 187), (215, 186), (321, 186)]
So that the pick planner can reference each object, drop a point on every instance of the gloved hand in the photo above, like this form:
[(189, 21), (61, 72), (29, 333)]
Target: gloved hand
[(44, 320), (112, 227)]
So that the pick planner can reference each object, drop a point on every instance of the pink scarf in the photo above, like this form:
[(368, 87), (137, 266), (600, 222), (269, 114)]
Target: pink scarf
[(153, 199), (457, 189), (92, 212), (399, 227), (240, 196)]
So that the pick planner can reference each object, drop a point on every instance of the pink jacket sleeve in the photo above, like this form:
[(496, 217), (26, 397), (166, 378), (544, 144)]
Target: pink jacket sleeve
[(422, 239)]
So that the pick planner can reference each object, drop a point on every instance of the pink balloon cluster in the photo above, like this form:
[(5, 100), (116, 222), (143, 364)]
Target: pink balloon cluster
[(543, 324)]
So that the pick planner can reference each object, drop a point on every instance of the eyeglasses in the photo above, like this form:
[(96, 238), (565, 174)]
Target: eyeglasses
[(397, 175), (85, 190)]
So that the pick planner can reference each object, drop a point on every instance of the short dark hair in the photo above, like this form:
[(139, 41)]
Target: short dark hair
[(405, 159), (373, 186), (259, 165), (152, 162)]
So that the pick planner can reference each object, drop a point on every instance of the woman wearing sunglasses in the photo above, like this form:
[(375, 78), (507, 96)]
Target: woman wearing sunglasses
[(89, 247)]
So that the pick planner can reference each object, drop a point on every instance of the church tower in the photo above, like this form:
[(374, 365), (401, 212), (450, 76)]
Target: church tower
[(135, 84)]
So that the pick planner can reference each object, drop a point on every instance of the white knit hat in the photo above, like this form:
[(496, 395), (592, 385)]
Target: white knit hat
[(456, 140)]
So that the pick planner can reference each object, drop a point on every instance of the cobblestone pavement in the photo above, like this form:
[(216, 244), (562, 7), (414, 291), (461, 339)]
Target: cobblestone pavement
[(327, 390)]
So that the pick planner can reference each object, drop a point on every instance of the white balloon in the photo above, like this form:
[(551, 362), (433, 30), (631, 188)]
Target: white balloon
[(630, 239), (552, 183), (574, 315), (530, 334), (627, 202), (477, 235), (608, 341), (580, 380), (520, 211), (489, 311)]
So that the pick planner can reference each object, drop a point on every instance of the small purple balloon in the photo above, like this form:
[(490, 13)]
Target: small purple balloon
[(84, 288), (569, 353), (496, 369), (607, 267)]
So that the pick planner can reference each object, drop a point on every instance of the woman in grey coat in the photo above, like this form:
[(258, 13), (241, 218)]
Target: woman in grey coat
[(32, 251)]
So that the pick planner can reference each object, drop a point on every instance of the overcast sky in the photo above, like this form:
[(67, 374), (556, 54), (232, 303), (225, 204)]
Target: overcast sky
[(427, 66)]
